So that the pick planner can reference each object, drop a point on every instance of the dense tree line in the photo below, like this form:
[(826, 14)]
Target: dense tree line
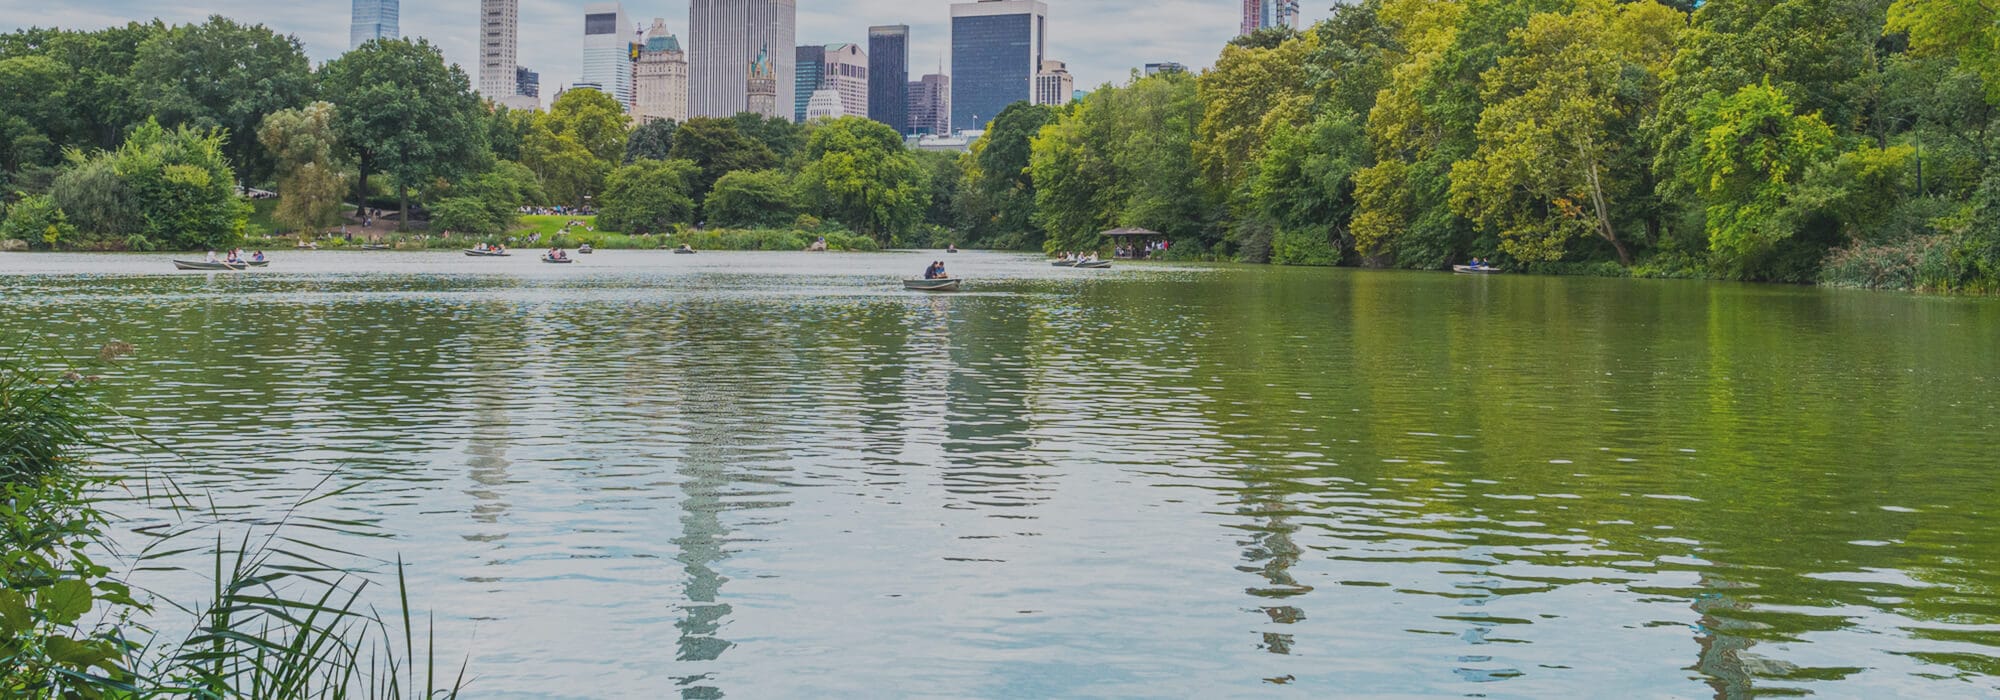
[(137, 137), (1845, 141)]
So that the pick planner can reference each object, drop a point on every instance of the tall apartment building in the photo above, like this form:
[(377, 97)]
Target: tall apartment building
[(930, 105), (607, 59), (1053, 85), (373, 19), (499, 40), (997, 49), (725, 36), (889, 76), (809, 69), (661, 76), (1265, 14)]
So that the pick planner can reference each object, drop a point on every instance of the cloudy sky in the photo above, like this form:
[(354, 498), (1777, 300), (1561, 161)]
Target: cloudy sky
[(1101, 39)]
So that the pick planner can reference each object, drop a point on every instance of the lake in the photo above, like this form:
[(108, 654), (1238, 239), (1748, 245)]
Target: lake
[(779, 475)]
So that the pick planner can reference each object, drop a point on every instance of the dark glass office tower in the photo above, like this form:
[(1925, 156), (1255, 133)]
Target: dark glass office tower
[(889, 76), (996, 48), (810, 64)]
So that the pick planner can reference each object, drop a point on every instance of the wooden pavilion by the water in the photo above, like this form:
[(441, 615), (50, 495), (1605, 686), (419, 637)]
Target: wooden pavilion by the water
[(1133, 243)]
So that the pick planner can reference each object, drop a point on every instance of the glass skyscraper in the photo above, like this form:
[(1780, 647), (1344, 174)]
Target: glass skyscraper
[(607, 51), (373, 19), (808, 70), (996, 50), (889, 76)]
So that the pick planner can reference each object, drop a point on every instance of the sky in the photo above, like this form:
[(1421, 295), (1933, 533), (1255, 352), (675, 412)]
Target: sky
[(1100, 39)]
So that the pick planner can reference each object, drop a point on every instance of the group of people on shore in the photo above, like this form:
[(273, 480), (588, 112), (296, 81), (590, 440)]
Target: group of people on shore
[(936, 271), (1142, 250)]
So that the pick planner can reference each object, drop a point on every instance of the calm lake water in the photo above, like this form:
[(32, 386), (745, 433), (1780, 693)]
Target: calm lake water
[(779, 475)]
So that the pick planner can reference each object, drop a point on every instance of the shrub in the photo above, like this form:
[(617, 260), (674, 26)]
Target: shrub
[(37, 220)]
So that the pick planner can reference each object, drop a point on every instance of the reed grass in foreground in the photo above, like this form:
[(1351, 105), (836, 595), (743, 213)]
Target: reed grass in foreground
[(279, 623)]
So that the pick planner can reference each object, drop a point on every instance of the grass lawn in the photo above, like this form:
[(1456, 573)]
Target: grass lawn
[(548, 225)]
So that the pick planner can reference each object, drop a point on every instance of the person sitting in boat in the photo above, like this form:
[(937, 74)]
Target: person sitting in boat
[(211, 256), (257, 256), (1478, 264)]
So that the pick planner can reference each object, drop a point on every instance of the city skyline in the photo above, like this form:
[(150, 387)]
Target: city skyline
[(1101, 40)]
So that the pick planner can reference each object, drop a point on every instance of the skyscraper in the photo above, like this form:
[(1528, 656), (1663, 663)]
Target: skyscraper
[(528, 84), (661, 76), (607, 55), (809, 69), (1053, 85), (499, 75), (724, 36), (996, 50), (373, 19), (889, 76), (1265, 14), (760, 88), (930, 105)]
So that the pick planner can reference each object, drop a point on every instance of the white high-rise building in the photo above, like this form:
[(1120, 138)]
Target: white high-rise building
[(607, 58), (662, 76), (725, 37), (847, 75), (499, 40), (373, 19), (1053, 85), (826, 103)]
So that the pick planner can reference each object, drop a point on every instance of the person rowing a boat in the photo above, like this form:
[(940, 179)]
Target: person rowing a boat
[(257, 256)]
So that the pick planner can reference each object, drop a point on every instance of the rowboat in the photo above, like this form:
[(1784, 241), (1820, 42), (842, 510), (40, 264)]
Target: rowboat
[(1064, 263), (307, 246), (1470, 270), (560, 261), (1094, 265), (684, 251), (205, 265), (485, 253), (254, 263), (586, 250), (374, 246), (943, 285)]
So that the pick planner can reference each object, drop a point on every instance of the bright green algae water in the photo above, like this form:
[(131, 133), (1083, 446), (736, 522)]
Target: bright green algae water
[(759, 475)]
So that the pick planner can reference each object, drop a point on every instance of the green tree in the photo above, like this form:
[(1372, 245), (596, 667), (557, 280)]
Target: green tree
[(37, 220), (507, 130), (717, 147), (858, 173), (575, 144), (302, 142), (487, 204), (751, 199), (221, 74), (651, 140), (784, 138), (1245, 98), (1305, 185), (1000, 202), (648, 196), (97, 199), (401, 110), (1555, 157), (1754, 149), (182, 192)]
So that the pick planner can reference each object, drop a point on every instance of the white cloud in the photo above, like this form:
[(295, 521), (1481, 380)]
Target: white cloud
[(1101, 39)]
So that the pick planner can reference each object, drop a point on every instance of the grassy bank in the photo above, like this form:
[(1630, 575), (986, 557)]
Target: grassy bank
[(277, 624), (552, 233)]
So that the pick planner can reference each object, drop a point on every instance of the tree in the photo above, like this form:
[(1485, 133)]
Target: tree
[(779, 134), (1968, 30), (180, 189), (651, 140), (301, 142), (648, 196), (1555, 158), (488, 204), (999, 211), (402, 111), (575, 144), (1753, 151), (717, 147), (1305, 186), (507, 129), (37, 220), (859, 174), (97, 199), (221, 74), (751, 199), (1244, 98)]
